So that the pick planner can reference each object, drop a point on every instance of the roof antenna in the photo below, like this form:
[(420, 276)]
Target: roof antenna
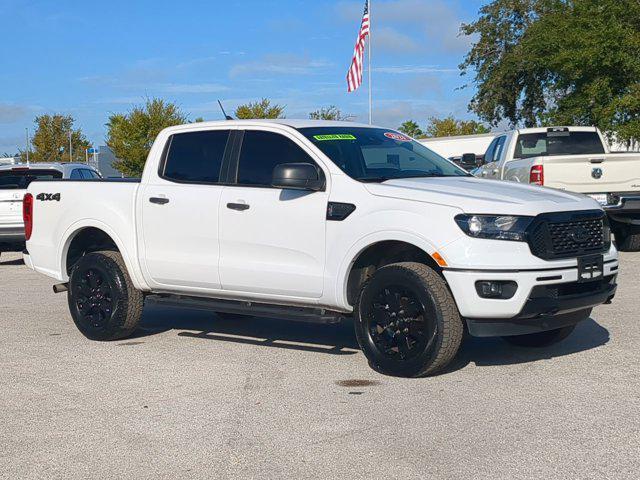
[(226, 117)]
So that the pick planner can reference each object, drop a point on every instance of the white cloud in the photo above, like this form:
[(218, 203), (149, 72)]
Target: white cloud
[(284, 64), (10, 113), (413, 69), (386, 38), (437, 21), (191, 88)]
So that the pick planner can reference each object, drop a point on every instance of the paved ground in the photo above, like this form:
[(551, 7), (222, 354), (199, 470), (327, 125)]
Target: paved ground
[(197, 396)]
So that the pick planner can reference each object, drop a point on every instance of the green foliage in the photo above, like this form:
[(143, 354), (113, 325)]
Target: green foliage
[(50, 141), (131, 135), (449, 127), (329, 113), (261, 109), (540, 62), (411, 128)]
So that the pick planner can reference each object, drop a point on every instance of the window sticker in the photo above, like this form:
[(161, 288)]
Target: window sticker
[(340, 136), (397, 136)]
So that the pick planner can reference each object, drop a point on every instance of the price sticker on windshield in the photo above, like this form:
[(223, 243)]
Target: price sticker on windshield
[(397, 136), (339, 136)]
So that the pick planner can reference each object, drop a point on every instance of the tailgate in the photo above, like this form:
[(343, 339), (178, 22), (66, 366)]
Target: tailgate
[(604, 173), (11, 205)]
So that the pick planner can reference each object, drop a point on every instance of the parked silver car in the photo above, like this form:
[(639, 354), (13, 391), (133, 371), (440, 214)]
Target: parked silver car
[(14, 180)]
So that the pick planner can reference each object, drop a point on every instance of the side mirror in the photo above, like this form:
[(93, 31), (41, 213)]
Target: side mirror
[(468, 160), (297, 176)]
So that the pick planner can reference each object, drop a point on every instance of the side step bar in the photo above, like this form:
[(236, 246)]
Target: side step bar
[(299, 314)]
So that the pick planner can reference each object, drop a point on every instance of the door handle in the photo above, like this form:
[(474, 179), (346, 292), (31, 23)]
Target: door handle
[(238, 206), (159, 200)]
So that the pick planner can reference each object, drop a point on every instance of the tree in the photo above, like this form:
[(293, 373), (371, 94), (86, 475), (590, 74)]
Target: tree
[(261, 109), (508, 84), (541, 62), (411, 128), (50, 141), (131, 135), (449, 127), (329, 113)]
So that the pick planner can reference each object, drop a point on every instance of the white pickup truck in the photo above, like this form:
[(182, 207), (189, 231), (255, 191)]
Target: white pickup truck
[(576, 159), (318, 221)]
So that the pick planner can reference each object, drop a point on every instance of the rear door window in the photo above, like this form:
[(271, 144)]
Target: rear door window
[(20, 178), (196, 157)]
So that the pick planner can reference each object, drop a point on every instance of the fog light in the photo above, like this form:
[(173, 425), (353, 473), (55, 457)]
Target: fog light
[(498, 289)]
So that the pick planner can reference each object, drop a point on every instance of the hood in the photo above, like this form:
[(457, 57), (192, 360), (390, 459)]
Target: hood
[(475, 195)]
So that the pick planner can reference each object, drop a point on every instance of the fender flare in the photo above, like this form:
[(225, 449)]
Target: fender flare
[(74, 229), (342, 277)]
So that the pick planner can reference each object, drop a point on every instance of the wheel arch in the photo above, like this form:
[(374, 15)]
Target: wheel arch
[(375, 251), (86, 237)]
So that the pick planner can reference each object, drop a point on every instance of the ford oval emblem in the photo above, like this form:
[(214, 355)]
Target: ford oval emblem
[(580, 234), (596, 173)]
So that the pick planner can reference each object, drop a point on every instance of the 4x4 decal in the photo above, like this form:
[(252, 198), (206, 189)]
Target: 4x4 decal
[(48, 197)]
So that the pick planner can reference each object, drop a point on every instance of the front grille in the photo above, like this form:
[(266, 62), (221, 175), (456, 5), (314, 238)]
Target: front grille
[(569, 234)]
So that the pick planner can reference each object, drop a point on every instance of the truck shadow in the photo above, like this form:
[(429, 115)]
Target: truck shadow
[(337, 339), (487, 352), (340, 339)]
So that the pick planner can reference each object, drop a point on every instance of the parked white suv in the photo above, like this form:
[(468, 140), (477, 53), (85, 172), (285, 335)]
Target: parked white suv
[(317, 221), (576, 159), (14, 180)]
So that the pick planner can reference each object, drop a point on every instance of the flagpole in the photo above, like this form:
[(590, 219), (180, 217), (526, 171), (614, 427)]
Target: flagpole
[(370, 95)]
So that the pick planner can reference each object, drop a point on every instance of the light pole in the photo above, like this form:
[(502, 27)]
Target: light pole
[(70, 146), (27, 135)]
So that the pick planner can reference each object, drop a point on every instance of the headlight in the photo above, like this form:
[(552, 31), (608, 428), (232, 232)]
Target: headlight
[(503, 227)]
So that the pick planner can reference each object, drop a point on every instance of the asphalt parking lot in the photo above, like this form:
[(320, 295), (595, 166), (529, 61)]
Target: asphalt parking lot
[(198, 396)]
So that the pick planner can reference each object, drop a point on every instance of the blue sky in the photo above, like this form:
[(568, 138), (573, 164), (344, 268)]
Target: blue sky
[(90, 59)]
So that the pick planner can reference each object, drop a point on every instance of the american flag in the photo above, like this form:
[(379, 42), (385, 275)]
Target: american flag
[(354, 77)]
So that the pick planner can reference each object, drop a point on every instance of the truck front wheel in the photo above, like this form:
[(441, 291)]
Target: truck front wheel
[(103, 302), (406, 321)]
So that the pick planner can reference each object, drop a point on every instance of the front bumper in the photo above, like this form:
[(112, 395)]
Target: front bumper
[(471, 305), (549, 308), (627, 210)]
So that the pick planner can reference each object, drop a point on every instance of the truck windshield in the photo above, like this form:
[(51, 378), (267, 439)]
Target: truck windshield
[(20, 178), (558, 143), (377, 154)]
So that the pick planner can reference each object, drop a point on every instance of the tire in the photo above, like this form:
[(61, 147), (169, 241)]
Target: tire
[(541, 339), (102, 299), (406, 321), (628, 238)]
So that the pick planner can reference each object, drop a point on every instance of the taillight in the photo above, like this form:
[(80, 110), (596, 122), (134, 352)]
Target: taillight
[(536, 176), (27, 215)]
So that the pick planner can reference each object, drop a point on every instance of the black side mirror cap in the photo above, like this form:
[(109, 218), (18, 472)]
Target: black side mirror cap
[(298, 176)]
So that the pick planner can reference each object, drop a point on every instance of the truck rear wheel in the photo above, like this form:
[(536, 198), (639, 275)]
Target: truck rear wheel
[(627, 238), (541, 339), (103, 302), (406, 321)]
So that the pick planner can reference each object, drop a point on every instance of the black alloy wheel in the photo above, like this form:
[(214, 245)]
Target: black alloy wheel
[(103, 301), (399, 325), (94, 297), (406, 321)]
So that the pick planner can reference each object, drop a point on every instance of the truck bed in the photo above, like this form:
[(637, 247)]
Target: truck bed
[(63, 207)]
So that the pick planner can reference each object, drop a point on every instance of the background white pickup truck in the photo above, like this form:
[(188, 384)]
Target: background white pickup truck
[(576, 159), (319, 221), (14, 180)]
